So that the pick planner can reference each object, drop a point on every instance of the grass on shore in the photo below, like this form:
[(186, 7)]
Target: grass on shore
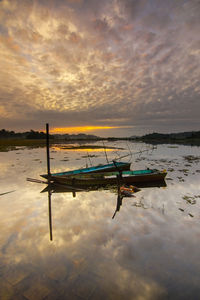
[(11, 144), (22, 142)]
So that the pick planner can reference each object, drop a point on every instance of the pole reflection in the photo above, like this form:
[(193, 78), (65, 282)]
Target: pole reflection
[(50, 216)]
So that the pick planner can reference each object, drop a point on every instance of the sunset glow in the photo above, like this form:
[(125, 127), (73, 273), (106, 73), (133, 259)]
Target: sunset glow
[(84, 150), (82, 129)]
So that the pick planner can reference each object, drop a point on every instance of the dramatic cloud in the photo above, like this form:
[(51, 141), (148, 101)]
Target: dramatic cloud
[(100, 63)]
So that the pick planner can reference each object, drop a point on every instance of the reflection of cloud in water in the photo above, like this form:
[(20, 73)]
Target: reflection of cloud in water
[(4, 167), (87, 242), (84, 242), (97, 243)]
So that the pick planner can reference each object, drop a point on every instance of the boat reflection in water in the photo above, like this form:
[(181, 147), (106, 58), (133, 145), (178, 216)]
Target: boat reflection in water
[(120, 190)]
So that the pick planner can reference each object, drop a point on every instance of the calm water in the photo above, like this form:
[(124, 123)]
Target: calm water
[(150, 250)]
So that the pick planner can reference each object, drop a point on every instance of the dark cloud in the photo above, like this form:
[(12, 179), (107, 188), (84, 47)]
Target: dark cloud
[(132, 8), (73, 61)]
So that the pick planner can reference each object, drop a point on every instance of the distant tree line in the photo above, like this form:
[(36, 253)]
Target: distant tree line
[(4, 134), (25, 135), (172, 136)]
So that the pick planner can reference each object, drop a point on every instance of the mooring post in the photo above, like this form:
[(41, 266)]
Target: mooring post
[(47, 148), (105, 153)]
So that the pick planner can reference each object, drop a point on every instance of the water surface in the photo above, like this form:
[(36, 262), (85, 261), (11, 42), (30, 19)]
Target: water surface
[(150, 250)]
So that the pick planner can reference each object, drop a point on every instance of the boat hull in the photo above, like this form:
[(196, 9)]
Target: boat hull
[(98, 180)]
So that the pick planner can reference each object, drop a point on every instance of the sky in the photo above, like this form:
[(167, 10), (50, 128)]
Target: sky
[(109, 67)]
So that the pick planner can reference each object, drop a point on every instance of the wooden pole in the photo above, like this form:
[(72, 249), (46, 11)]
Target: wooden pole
[(47, 148), (105, 153), (49, 174)]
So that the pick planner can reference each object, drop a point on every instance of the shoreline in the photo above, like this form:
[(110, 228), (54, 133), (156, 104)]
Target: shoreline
[(42, 142)]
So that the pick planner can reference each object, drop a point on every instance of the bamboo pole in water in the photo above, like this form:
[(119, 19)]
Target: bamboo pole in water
[(49, 174), (47, 149)]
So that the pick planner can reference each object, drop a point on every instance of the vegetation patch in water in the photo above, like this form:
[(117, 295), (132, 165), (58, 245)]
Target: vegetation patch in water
[(184, 170), (86, 156), (88, 147), (180, 179), (190, 199), (192, 158)]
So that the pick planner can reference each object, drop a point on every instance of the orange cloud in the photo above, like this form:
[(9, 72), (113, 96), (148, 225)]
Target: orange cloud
[(128, 27), (9, 43)]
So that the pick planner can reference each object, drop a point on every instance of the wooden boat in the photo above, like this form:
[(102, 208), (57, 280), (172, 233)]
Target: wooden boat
[(136, 177), (114, 166)]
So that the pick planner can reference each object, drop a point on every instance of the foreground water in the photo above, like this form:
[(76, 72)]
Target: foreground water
[(150, 250)]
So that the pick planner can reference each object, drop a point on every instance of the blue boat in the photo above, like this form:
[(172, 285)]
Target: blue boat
[(114, 166)]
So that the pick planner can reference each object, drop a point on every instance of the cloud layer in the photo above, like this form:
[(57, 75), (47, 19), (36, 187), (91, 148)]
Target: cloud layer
[(100, 63)]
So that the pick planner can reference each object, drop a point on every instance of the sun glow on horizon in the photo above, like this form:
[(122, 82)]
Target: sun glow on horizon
[(81, 129)]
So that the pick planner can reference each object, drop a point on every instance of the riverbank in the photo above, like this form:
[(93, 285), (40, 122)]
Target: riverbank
[(12, 144), (9, 143), (187, 141)]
